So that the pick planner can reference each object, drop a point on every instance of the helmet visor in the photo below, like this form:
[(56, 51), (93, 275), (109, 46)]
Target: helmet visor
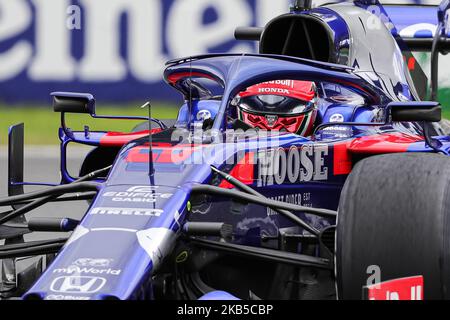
[(274, 104)]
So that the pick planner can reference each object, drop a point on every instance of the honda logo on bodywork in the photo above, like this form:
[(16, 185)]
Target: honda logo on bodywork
[(77, 284)]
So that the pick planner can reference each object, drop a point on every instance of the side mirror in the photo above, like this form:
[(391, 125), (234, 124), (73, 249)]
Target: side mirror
[(428, 111), (73, 102)]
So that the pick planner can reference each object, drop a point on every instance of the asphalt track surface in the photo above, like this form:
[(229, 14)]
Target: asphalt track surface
[(42, 165)]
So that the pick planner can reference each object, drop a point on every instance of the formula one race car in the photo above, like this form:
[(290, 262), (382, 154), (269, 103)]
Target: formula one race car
[(313, 170)]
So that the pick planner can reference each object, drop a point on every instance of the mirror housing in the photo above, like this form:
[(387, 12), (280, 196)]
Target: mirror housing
[(73, 102), (428, 111)]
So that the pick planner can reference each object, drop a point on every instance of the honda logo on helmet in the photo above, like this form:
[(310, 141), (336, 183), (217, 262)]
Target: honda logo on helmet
[(77, 284), (274, 90)]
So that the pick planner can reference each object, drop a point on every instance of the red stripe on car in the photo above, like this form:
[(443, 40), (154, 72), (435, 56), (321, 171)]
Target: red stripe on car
[(118, 139), (162, 153), (342, 160), (244, 171), (174, 78), (383, 143)]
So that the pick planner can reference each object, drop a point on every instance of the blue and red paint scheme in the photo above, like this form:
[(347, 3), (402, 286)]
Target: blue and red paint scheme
[(136, 236)]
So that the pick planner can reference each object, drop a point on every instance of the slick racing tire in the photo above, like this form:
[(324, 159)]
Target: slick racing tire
[(394, 213)]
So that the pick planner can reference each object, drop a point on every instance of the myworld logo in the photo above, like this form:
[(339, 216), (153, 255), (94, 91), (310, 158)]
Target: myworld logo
[(87, 270)]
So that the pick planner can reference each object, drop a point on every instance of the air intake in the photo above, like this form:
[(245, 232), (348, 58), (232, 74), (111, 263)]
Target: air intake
[(298, 35)]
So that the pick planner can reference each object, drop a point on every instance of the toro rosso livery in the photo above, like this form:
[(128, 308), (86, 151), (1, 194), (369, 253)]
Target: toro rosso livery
[(303, 172)]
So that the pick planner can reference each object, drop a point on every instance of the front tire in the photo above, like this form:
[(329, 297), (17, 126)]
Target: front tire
[(394, 213)]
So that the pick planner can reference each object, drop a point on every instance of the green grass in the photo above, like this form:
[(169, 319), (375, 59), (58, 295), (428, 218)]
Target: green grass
[(41, 123), (444, 98)]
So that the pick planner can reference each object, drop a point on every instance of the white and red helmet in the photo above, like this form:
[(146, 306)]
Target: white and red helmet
[(282, 105)]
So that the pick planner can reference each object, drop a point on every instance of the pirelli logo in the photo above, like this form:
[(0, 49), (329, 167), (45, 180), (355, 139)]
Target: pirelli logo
[(126, 211)]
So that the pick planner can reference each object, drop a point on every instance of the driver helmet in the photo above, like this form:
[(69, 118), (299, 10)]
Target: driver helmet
[(281, 105)]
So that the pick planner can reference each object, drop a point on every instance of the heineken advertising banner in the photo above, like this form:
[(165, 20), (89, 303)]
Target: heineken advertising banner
[(116, 49)]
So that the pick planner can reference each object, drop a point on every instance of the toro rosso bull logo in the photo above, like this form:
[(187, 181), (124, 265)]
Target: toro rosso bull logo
[(297, 164)]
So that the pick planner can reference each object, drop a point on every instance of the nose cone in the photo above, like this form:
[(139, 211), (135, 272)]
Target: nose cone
[(121, 241)]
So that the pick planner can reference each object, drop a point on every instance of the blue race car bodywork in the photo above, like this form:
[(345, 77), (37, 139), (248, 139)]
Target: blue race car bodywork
[(155, 218)]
